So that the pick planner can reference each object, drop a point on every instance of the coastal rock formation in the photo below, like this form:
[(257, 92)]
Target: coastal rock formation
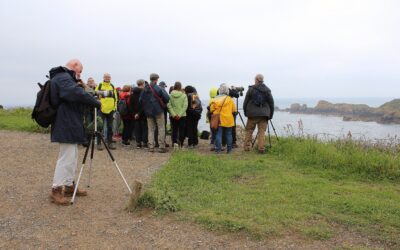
[(387, 113)]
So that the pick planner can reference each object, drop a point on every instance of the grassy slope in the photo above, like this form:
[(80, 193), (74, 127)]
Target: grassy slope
[(19, 119), (266, 195)]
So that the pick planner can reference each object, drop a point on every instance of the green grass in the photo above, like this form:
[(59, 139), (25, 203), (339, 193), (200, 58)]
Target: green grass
[(276, 194), (19, 119)]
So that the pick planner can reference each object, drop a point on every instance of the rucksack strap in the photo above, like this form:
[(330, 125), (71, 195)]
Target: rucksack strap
[(113, 89)]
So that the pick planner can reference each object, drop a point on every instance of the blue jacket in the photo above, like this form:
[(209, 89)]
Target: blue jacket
[(70, 99), (151, 105)]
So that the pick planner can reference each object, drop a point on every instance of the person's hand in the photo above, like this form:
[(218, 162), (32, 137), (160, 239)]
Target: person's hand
[(136, 116), (177, 117)]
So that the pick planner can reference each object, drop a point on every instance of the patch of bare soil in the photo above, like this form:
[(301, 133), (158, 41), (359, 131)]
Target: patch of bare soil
[(29, 220)]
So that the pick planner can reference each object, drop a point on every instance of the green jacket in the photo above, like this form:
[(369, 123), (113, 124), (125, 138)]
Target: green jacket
[(178, 103)]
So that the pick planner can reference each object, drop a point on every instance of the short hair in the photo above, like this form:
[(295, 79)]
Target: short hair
[(259, 78), (223, 89), (140, 82), (178, 86), (154, 77), (107, 74)]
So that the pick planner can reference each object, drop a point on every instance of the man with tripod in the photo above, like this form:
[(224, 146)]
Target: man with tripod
[(258, 107), (67, 128)]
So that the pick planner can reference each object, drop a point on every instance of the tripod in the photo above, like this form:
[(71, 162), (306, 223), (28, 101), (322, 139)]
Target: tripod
[(92, 141), (240, 115), (269, 135)]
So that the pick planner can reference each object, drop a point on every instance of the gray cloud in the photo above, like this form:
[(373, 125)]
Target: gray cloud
[(304, 48)]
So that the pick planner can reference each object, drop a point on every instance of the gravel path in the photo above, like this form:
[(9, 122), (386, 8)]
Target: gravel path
[(29, 220)]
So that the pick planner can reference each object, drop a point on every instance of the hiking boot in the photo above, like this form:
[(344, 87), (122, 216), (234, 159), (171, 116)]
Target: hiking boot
[(99, 147), (261, 151), (138, 146), (126, 143), (247, 149), (235, 145), (162, 150), (145, 145), (69, 191), (112, 146), (167, 145), (151, 150), (57, 196), (176, 146)]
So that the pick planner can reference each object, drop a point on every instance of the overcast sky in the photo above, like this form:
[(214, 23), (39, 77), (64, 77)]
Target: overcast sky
[(330, 48)]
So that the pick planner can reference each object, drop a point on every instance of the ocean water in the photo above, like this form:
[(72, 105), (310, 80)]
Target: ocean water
[(325, 126)]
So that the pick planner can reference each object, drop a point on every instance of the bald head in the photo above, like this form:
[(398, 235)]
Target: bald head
[(76, 66), (259, 79)]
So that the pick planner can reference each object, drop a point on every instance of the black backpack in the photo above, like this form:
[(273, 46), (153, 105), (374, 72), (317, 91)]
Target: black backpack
[(44, 113), (258, 97), (122, 106)]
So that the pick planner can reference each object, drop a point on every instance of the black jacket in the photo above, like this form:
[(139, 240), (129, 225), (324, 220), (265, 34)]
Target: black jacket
[(252, 110), (135, 105), (70, 99)]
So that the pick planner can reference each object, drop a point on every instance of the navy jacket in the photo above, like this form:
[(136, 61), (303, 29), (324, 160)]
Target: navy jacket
[(251, 110), (70, 99), (151, 105)]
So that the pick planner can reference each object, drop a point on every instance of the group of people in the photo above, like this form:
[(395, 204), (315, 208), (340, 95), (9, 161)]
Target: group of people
[(144, 110)]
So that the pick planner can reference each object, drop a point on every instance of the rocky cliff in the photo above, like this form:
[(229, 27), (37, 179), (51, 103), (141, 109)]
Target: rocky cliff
[(387, 113)]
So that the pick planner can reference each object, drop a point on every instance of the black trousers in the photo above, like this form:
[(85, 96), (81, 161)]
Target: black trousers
[(107, 125), (127, 130), (191, 130), (178, 130), (141, 131)]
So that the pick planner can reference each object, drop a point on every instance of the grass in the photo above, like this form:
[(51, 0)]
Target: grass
[(19, 119), (289, 190)]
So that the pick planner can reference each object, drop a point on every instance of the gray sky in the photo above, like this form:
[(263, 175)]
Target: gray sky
[(340, 48)]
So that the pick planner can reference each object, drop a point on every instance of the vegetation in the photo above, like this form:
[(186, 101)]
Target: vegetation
[(301, 186), (19, 119)]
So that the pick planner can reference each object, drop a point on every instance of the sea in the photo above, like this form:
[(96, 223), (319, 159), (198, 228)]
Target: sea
[(323, 126)]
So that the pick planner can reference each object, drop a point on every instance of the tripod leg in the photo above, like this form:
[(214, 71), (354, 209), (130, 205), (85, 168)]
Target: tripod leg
[(80, 172), (269, 137), (115, 162), (91, 158), (254, 141), (273, 127)]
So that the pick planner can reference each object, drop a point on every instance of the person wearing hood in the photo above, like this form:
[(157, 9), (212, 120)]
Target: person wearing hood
[(67, 129), (177, 110), (258, 107), (213, 94)]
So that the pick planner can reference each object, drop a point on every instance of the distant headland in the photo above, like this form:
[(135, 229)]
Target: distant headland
[(388, 113)]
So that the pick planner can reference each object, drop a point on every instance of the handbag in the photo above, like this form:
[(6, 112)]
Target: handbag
[(216, 118)]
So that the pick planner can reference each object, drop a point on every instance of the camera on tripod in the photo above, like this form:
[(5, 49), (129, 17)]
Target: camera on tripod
[(236, 91)]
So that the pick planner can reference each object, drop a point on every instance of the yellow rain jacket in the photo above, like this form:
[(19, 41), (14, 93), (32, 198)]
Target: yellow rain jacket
[(226, 114), (108, 104)]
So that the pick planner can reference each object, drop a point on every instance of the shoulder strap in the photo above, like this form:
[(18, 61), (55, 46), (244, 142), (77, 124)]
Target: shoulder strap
[(157, 96), (100, 84), (222, 105)]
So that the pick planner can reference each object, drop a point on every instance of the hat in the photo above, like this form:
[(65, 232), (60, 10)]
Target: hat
[(162, 84), (118, 89), (154, 77)]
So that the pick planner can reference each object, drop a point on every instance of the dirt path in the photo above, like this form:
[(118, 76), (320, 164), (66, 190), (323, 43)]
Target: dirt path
[(29, 220)]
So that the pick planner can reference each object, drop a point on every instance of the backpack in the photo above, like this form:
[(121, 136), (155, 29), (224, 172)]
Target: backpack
[(258, 98), (44, 113), (122, 106), (195, 105)]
